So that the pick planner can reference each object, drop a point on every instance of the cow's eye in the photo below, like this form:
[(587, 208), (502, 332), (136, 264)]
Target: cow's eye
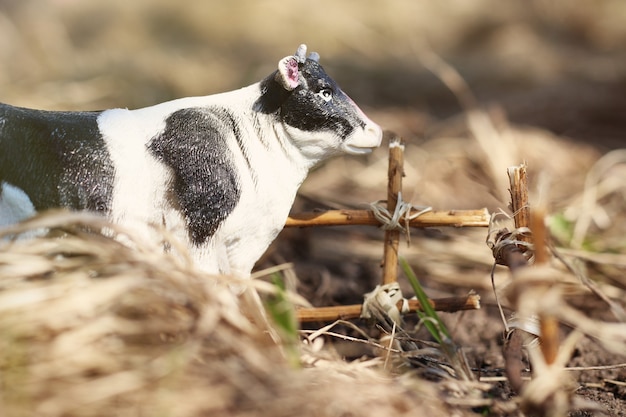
[(326, 94)]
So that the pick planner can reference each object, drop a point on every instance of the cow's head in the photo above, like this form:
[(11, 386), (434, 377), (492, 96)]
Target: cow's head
[(320, 119)]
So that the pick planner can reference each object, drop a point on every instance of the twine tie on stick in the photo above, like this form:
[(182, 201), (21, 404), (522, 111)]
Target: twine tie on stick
[(507, 239), (529, 325), (385, 298), (401, 216)]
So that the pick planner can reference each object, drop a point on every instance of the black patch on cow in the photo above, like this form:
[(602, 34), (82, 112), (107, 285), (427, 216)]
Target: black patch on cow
[(59, 159), (273, 95), (206, 184), (302, 108), (231, 125)]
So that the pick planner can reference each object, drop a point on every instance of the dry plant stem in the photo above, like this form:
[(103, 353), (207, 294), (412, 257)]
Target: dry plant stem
[(548, 324), (450, 218), (519, 195), (513, 358), (538, 228), (451, 304), (514, 258), (549, 327), (395, 173)]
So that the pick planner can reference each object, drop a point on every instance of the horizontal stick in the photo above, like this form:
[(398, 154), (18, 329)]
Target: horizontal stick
[(452, 304), (452, 218)]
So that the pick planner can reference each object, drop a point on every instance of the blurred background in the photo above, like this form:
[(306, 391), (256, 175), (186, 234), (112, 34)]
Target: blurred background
[(547, 79), (556, 64), (473, 86)]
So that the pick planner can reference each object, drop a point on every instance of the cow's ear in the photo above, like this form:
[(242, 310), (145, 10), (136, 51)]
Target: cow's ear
[(288, 74)]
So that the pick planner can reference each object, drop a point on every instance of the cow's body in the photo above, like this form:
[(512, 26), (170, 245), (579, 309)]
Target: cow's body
[(220, 172)]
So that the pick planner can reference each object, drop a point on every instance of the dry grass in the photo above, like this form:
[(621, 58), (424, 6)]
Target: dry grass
[(91, 326)]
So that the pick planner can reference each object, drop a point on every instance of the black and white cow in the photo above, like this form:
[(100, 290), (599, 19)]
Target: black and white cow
[(221, 171)]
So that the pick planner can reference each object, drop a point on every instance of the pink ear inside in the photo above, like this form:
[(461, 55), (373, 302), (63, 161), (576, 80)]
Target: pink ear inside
[(288, 69)]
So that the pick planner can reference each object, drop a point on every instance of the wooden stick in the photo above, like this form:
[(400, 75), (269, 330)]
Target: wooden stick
[(512, 352), (452, 304), (519, 196), (535, 220), (514, 258), (395, 173), (548, 324), (538, 228), (450, 218)]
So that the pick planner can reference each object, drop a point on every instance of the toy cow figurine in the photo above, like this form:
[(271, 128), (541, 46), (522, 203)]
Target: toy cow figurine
[(220, 172)]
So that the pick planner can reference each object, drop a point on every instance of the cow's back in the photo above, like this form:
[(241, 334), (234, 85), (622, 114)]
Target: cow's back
[(58, 159)]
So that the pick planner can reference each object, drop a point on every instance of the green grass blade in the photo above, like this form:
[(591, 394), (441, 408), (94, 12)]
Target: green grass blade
[(435, 325), (283, 314)]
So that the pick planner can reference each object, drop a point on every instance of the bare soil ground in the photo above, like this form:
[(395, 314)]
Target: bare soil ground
[(548, 76)]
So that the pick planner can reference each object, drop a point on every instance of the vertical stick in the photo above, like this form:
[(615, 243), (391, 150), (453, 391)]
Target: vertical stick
[(518, 183), (512, 349), (538, 228), (519, 195), (548, 324), (394, 186)]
